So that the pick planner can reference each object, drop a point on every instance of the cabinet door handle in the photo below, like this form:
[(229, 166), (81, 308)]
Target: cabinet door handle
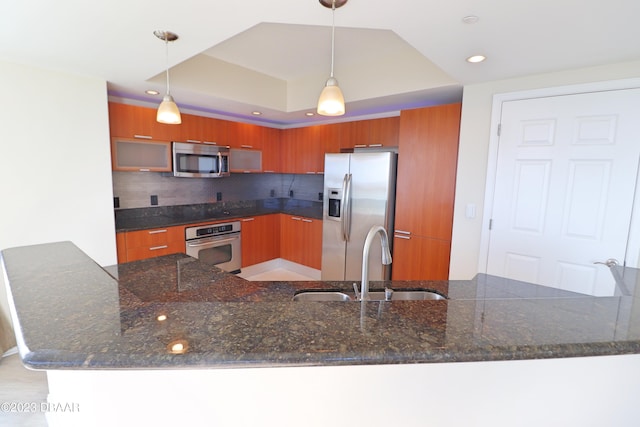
[(155, 248), (306, 220), (310, 173), (142, 136), (375, 145), (295, 218), (401, 232), (402, 237), (247, 219), (360, 146), (269, 171), (157, 231), (210, 142), (246, 146), (193, 140), (144, 170)]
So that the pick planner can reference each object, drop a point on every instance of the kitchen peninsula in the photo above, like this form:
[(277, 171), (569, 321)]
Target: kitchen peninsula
[(146, 343)]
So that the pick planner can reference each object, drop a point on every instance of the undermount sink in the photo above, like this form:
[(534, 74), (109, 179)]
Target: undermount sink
[(321, 296), (406, 295), (399, 295)]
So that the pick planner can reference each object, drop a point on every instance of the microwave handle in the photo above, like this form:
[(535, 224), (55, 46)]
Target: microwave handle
[(219, 163)]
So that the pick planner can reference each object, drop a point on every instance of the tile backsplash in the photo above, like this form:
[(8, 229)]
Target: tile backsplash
[(134, 189)]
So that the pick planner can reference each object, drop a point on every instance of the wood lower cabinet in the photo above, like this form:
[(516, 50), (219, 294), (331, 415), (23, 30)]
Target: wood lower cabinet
[(301, 240), (420, 257), (150, 243), (425, 188), (260, 239)]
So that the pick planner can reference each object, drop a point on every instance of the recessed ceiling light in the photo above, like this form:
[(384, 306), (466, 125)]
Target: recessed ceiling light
[(152, 92), (470, 19), (256, 113), (476, 58)]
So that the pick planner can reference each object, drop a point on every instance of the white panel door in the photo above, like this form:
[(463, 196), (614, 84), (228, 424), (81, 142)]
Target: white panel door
[(565, 183)]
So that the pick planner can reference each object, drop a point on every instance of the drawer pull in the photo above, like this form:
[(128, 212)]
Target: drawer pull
[(246, 146), (210, 142), (155, 248), (375, 145), (401, 232), (157, 231), (142, 136), (402, 237), (193, 140)]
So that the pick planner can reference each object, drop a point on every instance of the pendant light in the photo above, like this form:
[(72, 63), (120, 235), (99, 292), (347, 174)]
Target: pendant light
[(168, 111), (331, 101)]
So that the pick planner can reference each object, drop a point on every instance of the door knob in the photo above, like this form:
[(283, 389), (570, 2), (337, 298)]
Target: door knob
[(611, 262)]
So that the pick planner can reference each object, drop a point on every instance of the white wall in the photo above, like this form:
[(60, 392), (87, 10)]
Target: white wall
[(582, 391), (55, 167), (474, 150)]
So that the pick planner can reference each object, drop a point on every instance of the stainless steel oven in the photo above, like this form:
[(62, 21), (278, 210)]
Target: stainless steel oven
[(217, 244)]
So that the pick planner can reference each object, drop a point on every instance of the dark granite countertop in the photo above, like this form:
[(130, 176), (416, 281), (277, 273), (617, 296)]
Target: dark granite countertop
[(73, 314), (168, 216)]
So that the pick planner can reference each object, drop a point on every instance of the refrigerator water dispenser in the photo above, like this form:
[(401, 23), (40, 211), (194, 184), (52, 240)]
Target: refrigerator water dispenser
[(335, 197)]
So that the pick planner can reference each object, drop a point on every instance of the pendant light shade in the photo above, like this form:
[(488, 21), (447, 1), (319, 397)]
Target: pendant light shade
[(168, 111), (331, 101)]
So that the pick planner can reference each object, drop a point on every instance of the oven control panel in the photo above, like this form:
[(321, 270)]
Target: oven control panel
[(212, 230)]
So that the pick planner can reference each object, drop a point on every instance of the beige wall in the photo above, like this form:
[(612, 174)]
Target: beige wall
[(55, 167), (474, 150)]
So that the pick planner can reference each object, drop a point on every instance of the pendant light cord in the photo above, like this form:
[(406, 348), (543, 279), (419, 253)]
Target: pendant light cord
[(333, 33), (166, 44)]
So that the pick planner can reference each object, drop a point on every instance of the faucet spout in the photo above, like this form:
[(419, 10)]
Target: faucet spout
[(386, 257)]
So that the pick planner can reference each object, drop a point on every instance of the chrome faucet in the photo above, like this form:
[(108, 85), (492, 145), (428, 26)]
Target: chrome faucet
[(386, 257)]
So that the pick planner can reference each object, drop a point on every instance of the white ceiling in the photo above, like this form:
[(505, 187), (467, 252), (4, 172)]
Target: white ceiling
[(235, 57)]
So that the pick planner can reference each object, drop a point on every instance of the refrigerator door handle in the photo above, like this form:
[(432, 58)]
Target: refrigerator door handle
[(346, 203)]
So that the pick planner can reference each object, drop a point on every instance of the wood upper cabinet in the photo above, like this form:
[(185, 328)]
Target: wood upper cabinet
[(245, 135), (154, 242), (303, 150), (370, 133), (260, 239), (129, 121), (140, 155), (425, 188), (301, 240), (271, 150)]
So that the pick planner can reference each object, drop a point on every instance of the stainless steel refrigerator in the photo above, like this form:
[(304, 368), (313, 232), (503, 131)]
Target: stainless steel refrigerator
[(359, 192)]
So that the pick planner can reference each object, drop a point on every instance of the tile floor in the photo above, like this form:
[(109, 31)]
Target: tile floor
[(279, 269), (21, 385)]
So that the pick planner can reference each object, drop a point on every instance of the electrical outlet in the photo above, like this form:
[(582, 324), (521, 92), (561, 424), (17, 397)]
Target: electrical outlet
[(272, 193), (154, 200), (219, 196), (320, 196), (290, 193), (116, 202)]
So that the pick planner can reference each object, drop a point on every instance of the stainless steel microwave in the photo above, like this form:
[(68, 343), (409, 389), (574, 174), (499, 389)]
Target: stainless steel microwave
[(200, 160)]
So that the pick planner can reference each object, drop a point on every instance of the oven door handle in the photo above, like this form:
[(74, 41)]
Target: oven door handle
[(209, 242)]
